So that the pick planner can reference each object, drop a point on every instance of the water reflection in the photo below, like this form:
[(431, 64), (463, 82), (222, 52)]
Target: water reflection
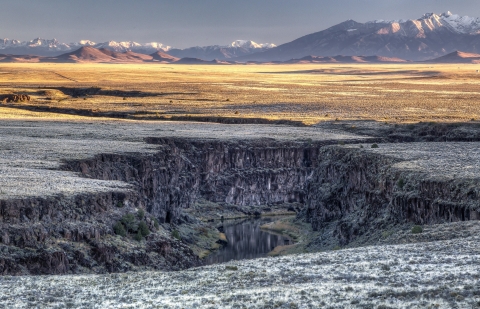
[(246, 241)]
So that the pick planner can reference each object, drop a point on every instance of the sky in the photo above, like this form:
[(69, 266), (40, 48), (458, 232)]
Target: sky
[(186, 23)]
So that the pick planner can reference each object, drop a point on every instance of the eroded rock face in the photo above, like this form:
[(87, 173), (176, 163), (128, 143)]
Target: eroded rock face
[(237, 173), (354, 191), (61, 234)]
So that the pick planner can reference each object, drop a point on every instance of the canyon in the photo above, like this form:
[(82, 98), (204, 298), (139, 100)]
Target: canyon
[(65, 187)]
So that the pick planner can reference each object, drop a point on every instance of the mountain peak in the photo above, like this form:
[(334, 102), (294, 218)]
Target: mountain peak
[(428, 15), (433, 21)]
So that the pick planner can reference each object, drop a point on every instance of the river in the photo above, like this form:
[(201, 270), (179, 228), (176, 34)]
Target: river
[(246, 240)]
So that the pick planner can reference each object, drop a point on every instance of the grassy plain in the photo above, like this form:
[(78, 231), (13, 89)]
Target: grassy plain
[(308, 93)]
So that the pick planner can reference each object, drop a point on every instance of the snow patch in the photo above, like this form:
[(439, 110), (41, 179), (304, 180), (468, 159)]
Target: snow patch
[(455, 22)]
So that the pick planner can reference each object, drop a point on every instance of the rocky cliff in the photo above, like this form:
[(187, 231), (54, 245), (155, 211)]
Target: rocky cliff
[(242, 173), (354, 191), (74, 234)]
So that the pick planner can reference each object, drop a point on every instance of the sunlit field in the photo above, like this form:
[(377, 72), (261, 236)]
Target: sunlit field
[(308, 93)]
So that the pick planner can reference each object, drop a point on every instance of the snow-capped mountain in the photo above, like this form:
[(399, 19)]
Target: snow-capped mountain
[(430, 22), (237, 48), (147, 48), (250, 44), (425, 38), (462, 24), (43, 47)]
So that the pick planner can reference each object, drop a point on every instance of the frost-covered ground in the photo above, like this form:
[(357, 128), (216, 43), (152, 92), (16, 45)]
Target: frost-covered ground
[(442, 274), (32, 152)]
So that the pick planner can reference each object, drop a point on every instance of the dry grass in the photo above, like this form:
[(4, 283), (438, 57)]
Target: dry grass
[(283, 227), (309, 93)]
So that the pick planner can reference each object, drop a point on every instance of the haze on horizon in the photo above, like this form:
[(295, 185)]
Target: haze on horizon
[(185, 23)]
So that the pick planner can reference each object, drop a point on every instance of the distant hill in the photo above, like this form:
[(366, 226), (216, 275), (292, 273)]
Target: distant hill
[(458, 57), (88, 54), (420, 39), (128, 56), (84, 54), (163, 57), (235, 49), (19, 58), (346, 59), (187, 60), (91, 54)]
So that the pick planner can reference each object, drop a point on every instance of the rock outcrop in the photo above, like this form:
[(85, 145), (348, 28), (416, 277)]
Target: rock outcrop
[(9, 98)]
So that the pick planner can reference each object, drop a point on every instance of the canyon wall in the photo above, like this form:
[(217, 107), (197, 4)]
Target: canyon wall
[(362, 191), (349, 190), (243, 173)]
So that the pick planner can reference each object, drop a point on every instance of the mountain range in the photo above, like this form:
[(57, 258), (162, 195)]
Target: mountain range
[(88, 54), (420, 39), (236, 49), (43, 47), (429, 37)]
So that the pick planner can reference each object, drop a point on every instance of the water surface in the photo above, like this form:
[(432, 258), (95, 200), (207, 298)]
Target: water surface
[(246, 241)]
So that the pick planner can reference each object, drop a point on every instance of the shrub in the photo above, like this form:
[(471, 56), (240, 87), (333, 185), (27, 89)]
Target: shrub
[(119, 229), (138, 236), (120, 204), (176, 234), (129, 222), (385, 267), (233, 268), (143, 229), (155, 223), (386, 234), (140, 214), (417, 229), (374, 146), (401, 183)]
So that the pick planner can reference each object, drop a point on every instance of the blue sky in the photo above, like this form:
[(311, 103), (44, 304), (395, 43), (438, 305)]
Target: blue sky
[(184, 23)]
